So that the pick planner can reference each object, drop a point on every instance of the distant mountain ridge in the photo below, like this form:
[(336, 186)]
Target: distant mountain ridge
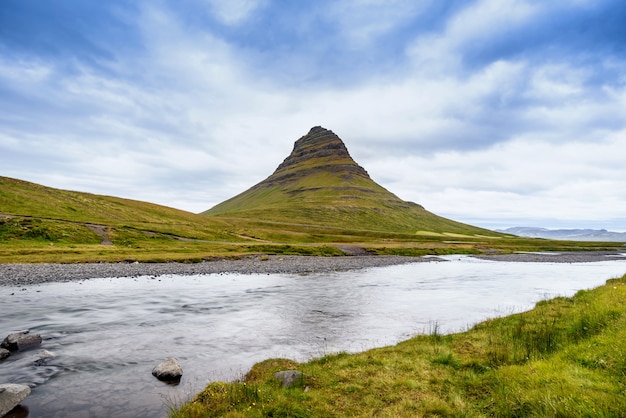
[(320, 184), (567, 234)]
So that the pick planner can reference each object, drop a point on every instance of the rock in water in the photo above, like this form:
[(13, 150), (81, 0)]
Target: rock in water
[(4, 353), (44, 356), (168, 371), (21, 341), (11, 395), (289, 378)]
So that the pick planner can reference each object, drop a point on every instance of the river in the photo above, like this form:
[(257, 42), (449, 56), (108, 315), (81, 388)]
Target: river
[(102, 337)]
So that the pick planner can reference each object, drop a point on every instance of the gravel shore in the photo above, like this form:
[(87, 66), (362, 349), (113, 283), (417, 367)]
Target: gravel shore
[(29, 274), (555, 257)]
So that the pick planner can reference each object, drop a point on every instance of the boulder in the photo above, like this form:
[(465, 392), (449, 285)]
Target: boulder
[(168, 371), (4, 353), (21, 341), (11, 395), (289, 378)]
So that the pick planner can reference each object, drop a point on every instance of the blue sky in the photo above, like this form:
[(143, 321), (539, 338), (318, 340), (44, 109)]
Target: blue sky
[(492, 112)]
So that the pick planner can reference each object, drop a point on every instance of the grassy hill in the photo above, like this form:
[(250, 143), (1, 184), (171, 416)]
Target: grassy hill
[(39, 223), (320, 184), (21, 198)]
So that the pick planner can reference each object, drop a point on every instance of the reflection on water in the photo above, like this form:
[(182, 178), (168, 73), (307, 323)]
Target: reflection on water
[(102, 337)]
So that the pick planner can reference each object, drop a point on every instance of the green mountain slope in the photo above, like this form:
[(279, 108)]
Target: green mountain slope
[(320, 184), (32, 211)]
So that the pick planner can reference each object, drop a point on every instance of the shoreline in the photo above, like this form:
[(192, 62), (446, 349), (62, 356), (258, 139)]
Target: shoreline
[(557, 257), (31, 274)]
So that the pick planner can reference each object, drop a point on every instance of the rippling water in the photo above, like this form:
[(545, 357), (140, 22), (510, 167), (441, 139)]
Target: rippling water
[(102, 337)]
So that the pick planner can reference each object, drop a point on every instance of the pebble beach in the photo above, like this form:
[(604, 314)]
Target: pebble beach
[(30, 274)]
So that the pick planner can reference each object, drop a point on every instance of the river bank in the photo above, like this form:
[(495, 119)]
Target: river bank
[(30, 274), (563, 358)]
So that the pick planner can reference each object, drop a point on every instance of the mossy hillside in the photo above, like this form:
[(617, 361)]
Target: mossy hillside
[(566, 357), (31, 211)]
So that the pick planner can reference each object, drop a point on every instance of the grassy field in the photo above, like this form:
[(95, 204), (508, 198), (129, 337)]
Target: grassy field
[(42, 224), (565, 358), (30, 239)]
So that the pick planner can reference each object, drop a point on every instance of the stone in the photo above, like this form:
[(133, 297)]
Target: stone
[(168, 371), (21, 341), (289, 378), (11, 395), (4, 353), (44, 356), (318, 144)]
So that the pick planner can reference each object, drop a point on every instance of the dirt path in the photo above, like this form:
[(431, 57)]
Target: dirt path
[(102, 231)]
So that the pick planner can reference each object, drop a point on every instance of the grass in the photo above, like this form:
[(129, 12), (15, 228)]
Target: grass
[(42, 224), (28, 240), (565, 358)]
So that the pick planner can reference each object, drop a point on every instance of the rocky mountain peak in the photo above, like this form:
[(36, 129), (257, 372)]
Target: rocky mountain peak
[(322, 145)]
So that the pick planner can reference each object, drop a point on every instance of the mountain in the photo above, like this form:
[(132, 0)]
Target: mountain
[(320, 184), (567, 234), (319, 201)]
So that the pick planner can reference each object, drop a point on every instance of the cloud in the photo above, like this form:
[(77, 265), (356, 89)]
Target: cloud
[(476, 28), (526, 178), (362, 22), (477, 110), (234, 12)]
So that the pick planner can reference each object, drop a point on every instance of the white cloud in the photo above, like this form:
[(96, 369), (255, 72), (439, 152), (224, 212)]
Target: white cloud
[(362, 21), (481, 23), (557, 82), (190, 120), (23, 73), (525, 179), (484, 18), (234, 12)]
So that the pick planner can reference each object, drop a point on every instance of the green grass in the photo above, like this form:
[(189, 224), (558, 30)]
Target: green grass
[(565, 358), (66, 209)]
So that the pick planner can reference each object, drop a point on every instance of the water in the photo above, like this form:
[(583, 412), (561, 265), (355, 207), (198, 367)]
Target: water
[(102, 337)]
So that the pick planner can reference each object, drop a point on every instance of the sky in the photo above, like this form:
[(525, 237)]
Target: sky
[(497, 113)]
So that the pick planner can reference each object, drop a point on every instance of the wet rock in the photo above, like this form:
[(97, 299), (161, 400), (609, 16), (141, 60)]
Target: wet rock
[(4, 353), (168, 371), (44, 356), (289, 378), (21, 341), (11, 395)]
